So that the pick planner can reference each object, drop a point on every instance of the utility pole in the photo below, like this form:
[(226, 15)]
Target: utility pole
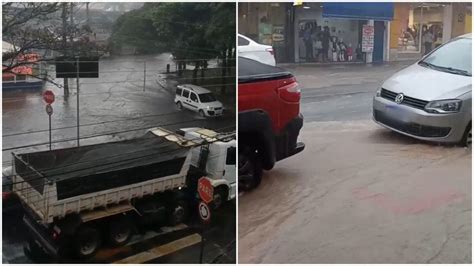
[(65, 51)]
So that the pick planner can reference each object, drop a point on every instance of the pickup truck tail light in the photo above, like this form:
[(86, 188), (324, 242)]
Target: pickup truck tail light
[(270, 50), (290, 93)]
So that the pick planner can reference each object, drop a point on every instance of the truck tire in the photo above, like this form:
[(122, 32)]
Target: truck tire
[(86, 242), (201, 113), (120, 231), (250, 169), (220, 196), (178, 212), (179, 106), (466, 140)]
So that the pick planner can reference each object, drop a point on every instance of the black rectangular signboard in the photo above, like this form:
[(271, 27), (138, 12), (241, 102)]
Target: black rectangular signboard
[(66, 67)]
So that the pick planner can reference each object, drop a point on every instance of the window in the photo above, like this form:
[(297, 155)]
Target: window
[(207, 97), (179, 91), (194, 97), (185, 93), (230, 159), (451, 57), (425, 16), (243, 42)]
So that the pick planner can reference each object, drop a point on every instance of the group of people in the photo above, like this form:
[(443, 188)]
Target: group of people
[(318, 44)]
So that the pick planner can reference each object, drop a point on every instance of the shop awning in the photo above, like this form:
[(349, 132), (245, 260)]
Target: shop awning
[(359, 10)]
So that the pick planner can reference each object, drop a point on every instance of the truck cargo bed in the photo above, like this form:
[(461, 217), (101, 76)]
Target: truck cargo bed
[(53, 177)]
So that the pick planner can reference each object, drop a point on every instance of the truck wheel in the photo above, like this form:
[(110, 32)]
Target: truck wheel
[(467, 138), (179, 106), (86, 242), (250, 169), (120, 231), (220, 196), (201, 113), (178, 212)]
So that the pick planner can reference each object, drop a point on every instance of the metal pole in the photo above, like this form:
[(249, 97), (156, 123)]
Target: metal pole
[(202, 242), (77, 98), (144, 75), (49, 132), (421, 30)]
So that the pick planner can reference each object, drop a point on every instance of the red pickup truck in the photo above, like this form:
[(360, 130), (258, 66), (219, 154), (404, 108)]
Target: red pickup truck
[(269, 119)]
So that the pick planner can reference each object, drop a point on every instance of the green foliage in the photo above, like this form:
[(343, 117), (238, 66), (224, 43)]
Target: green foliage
[(188, 30)]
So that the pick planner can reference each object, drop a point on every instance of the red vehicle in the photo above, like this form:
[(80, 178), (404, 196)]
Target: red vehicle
[(269, 119)]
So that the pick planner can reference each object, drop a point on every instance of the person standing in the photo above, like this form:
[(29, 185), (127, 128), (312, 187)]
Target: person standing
[(428, 39), (308, 42), (325, 43)]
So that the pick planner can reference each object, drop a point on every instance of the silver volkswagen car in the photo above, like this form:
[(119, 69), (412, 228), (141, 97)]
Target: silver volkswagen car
[(431, 99)]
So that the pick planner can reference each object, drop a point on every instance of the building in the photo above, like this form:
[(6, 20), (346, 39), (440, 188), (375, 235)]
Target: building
[(376, 32)]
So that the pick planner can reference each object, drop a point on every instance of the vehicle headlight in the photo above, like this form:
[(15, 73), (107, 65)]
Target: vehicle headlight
[(209, 108), (443, 106), (378, 93)]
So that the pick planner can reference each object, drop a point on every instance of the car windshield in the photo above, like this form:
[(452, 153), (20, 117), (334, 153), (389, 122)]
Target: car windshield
[(453, 57), (207, 97)]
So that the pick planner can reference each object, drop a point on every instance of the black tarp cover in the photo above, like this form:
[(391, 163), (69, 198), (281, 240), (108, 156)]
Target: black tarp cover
[(251, 70), (98, 167)]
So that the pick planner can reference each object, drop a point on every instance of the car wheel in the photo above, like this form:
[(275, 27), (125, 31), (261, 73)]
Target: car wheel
[(86, 242), (467, 139), (120, 231), (179, 106), (201, 113), (250, 169)]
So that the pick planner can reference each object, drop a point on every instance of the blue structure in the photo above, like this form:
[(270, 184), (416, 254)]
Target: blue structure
[(359, 11)]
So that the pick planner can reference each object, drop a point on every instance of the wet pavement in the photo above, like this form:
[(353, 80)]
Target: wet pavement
[(219, 245), (115, 106), (358, 193)]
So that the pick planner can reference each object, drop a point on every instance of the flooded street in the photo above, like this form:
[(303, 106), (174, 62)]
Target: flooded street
[(113, 106), (365, 195), (358, 193)]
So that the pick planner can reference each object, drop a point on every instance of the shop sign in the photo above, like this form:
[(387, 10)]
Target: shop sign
[(278, 33), (367, 38)]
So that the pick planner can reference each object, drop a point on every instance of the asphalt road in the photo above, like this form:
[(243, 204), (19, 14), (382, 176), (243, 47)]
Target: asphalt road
[(358, 193), (115, 106)]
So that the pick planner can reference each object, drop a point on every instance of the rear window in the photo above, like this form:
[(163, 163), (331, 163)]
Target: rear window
[(185, 93)]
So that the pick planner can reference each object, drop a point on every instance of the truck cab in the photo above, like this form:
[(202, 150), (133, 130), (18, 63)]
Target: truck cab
[(216, 160)]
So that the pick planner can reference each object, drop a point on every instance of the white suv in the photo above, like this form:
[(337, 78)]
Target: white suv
[(255, 51), (197, 99)]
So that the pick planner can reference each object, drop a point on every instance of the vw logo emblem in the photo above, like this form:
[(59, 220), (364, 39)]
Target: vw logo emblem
[(399, 98)]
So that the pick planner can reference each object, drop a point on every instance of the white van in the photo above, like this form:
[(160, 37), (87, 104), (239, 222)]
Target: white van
[(197, 99)]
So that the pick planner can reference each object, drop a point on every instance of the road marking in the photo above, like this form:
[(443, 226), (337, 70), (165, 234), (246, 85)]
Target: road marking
[(162, 250)]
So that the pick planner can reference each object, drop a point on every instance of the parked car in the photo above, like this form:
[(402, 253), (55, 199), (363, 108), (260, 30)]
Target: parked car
[(197, 99), (256, 51), (269, 119), (431, 99)]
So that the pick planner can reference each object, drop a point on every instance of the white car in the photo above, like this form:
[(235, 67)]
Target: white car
[(255, 51), (197, 99)]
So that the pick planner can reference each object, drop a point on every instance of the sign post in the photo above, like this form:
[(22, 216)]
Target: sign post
[(48, 97), (206, 193), (368, 41)]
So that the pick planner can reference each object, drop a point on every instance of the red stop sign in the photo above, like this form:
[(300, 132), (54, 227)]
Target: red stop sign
[(48, 97), (205, 189)]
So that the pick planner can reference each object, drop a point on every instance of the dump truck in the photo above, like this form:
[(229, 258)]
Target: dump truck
[(77, 199)]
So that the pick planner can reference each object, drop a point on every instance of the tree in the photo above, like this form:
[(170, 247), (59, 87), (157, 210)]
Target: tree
[(34, 27)]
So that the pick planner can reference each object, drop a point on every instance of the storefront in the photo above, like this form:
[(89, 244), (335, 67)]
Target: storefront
[(418, 28), (344, 24), (268, 23)]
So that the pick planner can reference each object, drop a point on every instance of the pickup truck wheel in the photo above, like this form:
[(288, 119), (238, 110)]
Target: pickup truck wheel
[(178, 212), (201, 113), (86, 242), (250, 169), (120, 231), (467, 139), (179, 106)]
